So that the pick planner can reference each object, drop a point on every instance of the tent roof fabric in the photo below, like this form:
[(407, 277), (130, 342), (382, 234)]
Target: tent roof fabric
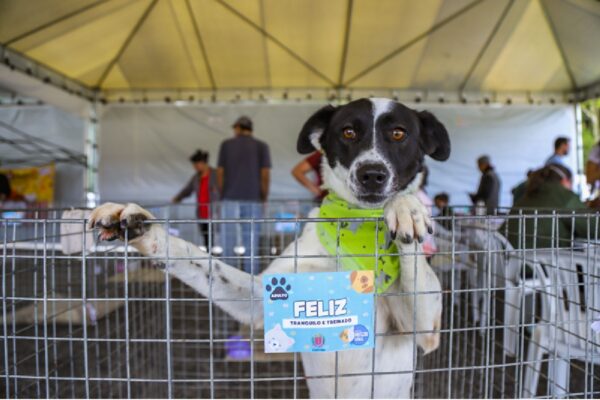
[(435, 45)]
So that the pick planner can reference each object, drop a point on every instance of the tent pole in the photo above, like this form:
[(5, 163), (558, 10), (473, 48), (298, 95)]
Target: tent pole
[(590, 109), (582, 188), (91, 153)]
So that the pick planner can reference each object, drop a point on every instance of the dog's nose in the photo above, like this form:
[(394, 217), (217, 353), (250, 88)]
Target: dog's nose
[(372, 176)]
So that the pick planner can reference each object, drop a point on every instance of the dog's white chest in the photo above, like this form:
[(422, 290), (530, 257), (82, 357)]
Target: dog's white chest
[(359, 375)]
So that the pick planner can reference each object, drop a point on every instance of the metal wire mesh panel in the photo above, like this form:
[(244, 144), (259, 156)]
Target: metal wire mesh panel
[(197, 360), (67, 329), (518, 320)]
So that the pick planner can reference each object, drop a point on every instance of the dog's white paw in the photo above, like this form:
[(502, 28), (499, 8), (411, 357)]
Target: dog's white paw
[(115, 220), (430, 341), (407, 218)]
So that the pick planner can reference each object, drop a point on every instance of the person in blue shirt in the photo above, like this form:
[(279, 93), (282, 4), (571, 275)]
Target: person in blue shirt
[(561, 150)]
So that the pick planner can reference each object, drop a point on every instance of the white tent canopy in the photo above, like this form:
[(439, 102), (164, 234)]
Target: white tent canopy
[(72, 53), (140, 49)]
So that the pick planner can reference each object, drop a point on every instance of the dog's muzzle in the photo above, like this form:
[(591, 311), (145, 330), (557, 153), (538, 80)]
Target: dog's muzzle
[(372, 178)]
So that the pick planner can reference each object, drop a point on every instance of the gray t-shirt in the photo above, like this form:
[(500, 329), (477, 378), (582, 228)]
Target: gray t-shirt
[(242, 159)]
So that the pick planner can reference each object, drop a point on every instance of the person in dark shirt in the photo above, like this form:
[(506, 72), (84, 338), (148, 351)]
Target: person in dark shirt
[(203, 184), (442, 203), (488, 191), (243, 175), (312, 163)]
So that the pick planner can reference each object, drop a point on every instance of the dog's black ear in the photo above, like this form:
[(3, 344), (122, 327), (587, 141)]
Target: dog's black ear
[(313, 129), (434, 137)]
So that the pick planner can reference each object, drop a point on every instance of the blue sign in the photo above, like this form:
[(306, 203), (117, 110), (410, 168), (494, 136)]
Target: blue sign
[(323, 311)]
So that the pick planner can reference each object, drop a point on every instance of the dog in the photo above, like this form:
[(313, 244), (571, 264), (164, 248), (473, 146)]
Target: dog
[(373, 152)]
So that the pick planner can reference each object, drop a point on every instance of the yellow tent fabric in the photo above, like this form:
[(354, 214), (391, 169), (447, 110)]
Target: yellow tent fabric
[(445, 45)]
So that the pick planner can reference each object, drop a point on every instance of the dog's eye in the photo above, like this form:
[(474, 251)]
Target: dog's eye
[(398, 134), (349, 133)]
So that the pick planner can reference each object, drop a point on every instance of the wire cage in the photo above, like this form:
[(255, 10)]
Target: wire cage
[(520, 317)]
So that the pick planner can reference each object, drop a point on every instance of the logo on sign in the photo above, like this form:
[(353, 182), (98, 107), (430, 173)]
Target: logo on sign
[(318, 340), (278, 290), (361, 335)]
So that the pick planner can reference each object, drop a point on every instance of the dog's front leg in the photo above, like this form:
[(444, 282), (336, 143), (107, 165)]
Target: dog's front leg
[(236, 292), (418, 308), (420, 301), (233, 290)]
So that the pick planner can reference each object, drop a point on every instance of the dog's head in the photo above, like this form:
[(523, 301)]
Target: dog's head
[(373, 148)]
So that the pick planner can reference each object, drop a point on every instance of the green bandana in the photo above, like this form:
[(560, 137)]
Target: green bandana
[(358, 238)]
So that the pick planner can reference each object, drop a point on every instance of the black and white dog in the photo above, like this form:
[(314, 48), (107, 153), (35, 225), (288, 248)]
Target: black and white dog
[(373, 152)]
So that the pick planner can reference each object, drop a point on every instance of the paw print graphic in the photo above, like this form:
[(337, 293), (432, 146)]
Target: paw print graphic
[(278, 289)]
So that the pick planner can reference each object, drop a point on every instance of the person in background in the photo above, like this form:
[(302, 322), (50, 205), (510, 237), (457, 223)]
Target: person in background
[(561, 150), (243, 175), (442, 203), (488, 192), (519, 190), (549, 189), (592, 168), (203, 184), (5, 190), (312, 163)]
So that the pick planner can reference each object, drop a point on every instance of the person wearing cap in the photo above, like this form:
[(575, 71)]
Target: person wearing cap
[(243, 175), (488, 191), (203, 184)]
